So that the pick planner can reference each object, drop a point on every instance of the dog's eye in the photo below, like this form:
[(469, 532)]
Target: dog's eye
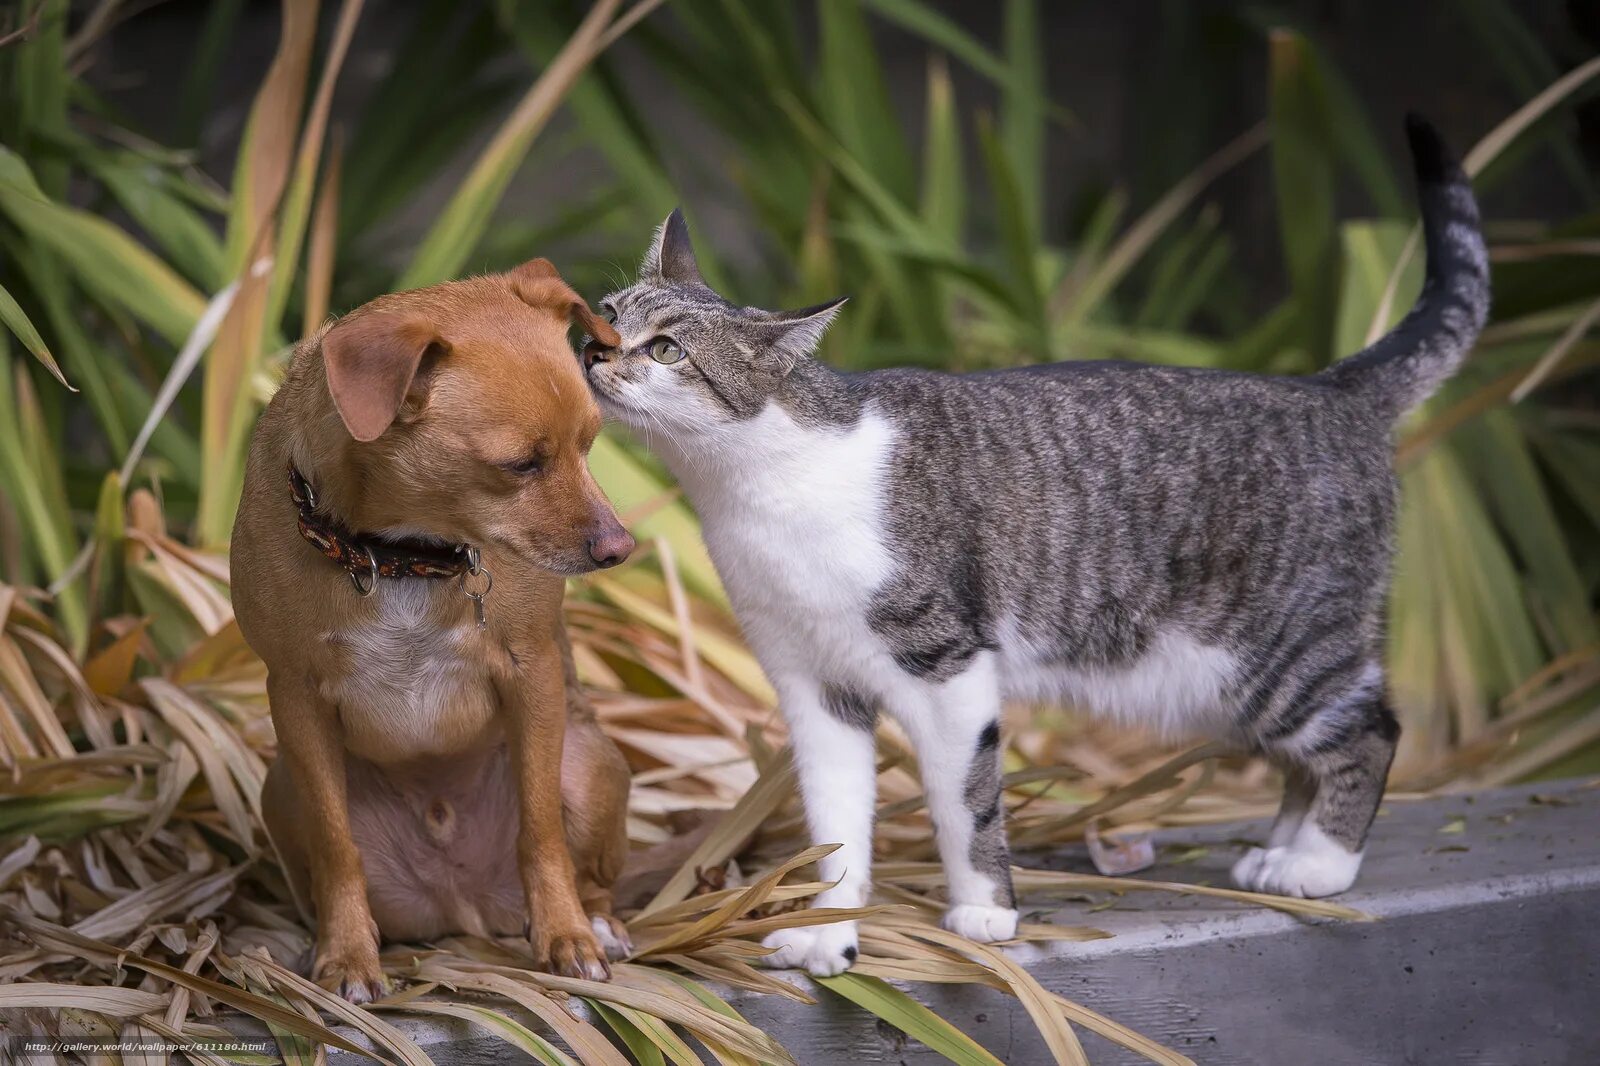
[(527, 467), (665, 350)]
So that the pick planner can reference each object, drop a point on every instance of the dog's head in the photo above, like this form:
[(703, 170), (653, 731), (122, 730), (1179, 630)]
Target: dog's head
[(468, 418)]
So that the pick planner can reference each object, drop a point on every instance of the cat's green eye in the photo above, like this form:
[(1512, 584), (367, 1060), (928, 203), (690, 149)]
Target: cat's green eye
[(607, 313), (665, 350)]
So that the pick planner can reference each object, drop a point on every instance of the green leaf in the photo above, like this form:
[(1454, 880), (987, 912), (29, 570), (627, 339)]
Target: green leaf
[(61, 303), (1520, 499), (939, 29), (661, 1035), (1079, 298), (631, 487), (1022, 126), (1018, 237), (31, 474), (105, 260), (1459, 630), (188, 239), (601, 106), (449, 243), (1355, 144), (1303, 170), (435, 81), (956, 264), (1573, 460), (42, 85), (853, 98), (1370, 252), (883, 1000), (944, 192), (1527, 67), (17, 321), (106, 574), (205, 64), (642, 1048)]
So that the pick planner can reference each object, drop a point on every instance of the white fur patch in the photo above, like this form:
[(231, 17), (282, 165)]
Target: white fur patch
[(1310, 866), (616, 947), (1176, 688), (983, 924), (793, 519), (821, 950), (405, 674)]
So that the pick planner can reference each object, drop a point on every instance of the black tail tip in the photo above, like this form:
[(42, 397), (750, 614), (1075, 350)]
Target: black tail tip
[(1433, 160)]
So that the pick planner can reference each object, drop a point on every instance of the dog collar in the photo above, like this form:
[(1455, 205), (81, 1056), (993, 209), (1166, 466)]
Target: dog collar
[(367, 558)]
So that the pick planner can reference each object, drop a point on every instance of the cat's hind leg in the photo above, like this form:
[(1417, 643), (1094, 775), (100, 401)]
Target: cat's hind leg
[(955, 728), (831, 736), (1338, 755)]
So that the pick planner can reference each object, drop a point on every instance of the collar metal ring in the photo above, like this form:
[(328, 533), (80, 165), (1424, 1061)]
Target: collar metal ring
[(476, 571), (372, 580)]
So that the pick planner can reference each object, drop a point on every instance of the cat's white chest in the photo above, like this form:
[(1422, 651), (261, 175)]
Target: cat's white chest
[(797, 533)]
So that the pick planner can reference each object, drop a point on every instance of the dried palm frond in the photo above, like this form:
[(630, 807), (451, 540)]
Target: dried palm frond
[(136, 854)]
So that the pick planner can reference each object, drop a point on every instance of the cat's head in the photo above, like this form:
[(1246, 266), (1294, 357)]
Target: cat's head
[(690, 361)]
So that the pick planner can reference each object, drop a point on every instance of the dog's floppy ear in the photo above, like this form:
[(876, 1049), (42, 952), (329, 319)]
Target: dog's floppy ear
[(371, 361), (537, 284)]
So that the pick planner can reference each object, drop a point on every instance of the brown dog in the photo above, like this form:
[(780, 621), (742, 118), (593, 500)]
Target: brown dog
[(438, 770)]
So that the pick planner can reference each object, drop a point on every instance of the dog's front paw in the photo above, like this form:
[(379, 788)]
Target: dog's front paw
[(574, 954), (822, 950), (351, 972), (613, 936), (977, 921)]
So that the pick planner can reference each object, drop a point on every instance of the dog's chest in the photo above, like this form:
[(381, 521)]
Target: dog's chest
[(409, 682)]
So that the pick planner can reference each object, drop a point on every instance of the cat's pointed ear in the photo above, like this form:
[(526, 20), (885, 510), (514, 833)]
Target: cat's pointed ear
[(671, 256), (796, 334)]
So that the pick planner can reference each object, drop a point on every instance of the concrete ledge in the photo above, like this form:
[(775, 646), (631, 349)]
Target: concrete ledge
[(1488, 953)]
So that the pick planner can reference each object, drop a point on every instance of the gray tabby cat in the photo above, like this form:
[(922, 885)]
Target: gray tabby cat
[(1195, 551)]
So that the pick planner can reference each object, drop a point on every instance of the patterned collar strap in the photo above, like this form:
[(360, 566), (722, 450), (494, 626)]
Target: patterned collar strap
[(365, 557)]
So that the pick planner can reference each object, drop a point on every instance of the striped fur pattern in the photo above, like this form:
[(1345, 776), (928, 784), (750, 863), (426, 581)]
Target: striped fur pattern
[(1199, 552)]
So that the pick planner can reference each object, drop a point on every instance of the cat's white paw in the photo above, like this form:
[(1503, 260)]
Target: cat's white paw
[(613, 936), (1246, 869), (821, 950), (1310, 866), (978, 922)]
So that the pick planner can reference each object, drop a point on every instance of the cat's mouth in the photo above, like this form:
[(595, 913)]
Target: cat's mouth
[(607, 394)]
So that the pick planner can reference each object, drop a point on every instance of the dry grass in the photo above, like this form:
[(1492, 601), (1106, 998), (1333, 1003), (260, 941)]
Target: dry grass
[(140, 895)]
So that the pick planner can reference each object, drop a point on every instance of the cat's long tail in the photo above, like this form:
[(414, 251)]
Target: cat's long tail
[(1405, 366)]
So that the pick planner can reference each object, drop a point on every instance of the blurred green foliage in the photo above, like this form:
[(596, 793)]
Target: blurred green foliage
[(112, 246)]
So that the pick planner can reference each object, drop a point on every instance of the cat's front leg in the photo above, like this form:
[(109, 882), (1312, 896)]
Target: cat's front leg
[(955, 728), (831, 737)]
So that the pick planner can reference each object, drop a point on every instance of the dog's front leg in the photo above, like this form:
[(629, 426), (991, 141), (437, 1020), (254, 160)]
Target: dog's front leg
[(534, 703), (311, 744)]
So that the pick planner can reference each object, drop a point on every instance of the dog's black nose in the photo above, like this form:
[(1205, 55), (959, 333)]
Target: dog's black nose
[(595, 352)]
